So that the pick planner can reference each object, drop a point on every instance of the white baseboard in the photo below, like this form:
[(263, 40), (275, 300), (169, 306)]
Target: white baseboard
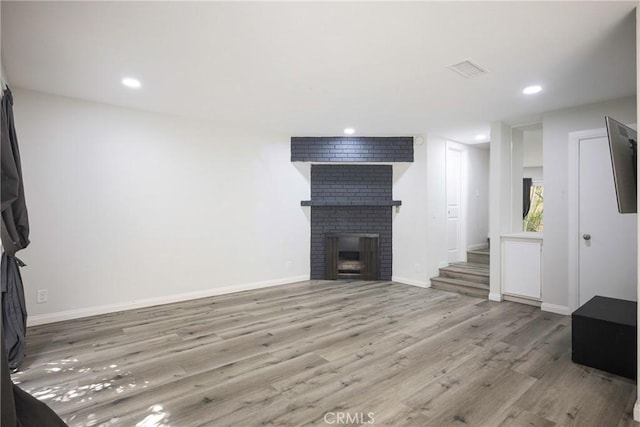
[(411, 282), (522, 300), (636, 411), (553, 308), (495, 297), (148, 302)]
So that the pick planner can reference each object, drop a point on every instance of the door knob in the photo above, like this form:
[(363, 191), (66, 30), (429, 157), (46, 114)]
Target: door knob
[(586, 236)]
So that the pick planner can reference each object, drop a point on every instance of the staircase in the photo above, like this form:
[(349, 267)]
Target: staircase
[(469, 278)]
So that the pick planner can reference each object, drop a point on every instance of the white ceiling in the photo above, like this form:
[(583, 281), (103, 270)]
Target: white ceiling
[(314, 68)]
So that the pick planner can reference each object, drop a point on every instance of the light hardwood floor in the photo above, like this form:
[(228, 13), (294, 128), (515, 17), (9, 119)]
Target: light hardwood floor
[(303, 354)]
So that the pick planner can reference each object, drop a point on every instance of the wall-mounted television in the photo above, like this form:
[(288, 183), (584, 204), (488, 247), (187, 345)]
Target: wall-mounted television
[(622, 145)]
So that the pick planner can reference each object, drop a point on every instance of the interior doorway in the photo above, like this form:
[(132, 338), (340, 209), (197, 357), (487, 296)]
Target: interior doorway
[(603, 242), (455, 194)]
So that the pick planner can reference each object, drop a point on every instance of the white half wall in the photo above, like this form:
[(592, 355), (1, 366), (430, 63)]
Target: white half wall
[(556, 128), (128, 206)]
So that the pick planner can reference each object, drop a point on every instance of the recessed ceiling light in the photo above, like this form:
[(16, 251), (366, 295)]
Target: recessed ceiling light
[(349, 131), (530, 90), (131, 82), (480, 137)]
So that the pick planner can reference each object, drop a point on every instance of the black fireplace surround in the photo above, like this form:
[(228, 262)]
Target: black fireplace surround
[(351, 256)]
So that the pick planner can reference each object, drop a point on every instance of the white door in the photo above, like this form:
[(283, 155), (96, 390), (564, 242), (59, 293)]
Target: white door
[(607, 239), (454, 181)]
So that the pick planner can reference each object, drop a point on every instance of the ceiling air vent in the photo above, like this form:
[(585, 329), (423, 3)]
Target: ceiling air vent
[(468, 69)]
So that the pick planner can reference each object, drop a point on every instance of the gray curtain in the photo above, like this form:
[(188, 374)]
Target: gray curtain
[(19, 408), (15, 236)]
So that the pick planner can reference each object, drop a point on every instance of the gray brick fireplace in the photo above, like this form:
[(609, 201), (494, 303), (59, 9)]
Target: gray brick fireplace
[(353, 201)]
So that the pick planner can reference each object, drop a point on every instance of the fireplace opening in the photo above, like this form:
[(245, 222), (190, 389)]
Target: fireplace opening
[(351, 256)]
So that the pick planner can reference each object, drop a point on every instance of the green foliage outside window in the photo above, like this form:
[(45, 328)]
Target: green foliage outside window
[(533, 220)]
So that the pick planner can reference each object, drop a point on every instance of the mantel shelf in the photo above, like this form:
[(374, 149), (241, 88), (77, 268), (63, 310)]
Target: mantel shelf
[(350, 203)]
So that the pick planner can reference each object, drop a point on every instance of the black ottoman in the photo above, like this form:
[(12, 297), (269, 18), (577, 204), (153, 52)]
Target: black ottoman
[(604, 336)]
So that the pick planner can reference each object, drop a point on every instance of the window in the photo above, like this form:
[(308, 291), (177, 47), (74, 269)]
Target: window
[(534, 219)]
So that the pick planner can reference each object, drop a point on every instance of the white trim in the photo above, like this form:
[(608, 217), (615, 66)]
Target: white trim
[(495, 297), (412, 282), (573, 204), (148, 302), (636, 411), (558, 309), (521, 299)]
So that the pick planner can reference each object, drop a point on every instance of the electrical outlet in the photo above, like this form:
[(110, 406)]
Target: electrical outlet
[(42, 296)]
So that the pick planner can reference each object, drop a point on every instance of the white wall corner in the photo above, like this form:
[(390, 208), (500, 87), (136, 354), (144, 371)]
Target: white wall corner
[(500, 201), (412, 282), (495, 296), (517, 142), (558, 309), (636, 411)]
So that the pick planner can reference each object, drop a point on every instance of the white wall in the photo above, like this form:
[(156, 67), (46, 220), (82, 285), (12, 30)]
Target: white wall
[(419, 230), (477, 197), (532, 148), (436, 204), (410, 227), (517, 154), (422, 219), (556, 128), (535, 173), (500, 201), (128, 207)]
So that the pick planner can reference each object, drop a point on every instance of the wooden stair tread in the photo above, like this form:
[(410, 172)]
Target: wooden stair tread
[(484, 251), (460, 282), (452, 285), (468, 268)]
